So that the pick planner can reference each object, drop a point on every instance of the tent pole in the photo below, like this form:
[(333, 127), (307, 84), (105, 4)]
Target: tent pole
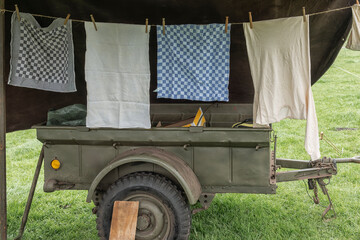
[(3, 208)]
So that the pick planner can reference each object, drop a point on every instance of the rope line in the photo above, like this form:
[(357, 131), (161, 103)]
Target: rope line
[(2, 10), (348, 72), (329, 11), (44, 16)]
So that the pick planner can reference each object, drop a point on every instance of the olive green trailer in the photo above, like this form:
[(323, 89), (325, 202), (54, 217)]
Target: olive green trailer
[(168, 169), (199, 161)]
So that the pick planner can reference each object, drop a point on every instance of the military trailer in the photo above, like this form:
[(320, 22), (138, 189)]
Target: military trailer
[(166, 170), (169, 169)]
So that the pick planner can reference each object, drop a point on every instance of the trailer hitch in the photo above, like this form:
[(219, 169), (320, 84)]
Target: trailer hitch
[(321, 168), (315, 172), (316, 169)]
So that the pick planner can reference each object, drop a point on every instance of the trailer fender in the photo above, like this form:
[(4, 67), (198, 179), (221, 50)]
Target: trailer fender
[(173, 164)]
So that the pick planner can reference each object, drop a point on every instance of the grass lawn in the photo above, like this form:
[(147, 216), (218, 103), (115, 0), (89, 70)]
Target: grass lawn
[(290, 214)]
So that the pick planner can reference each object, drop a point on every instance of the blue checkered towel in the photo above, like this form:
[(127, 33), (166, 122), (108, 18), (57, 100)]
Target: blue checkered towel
[(193, 62)]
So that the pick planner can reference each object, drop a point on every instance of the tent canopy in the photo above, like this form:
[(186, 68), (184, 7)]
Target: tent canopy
[(26, 107)]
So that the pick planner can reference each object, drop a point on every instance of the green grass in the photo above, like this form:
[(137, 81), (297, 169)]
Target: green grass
[(289, 214)]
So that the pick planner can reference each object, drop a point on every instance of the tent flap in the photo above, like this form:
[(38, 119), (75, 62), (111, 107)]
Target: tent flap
[(26, 107)]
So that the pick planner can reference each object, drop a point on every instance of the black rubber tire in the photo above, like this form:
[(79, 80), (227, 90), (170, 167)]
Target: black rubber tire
[(155, 186)]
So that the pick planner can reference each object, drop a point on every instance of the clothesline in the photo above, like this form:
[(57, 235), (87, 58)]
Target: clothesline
[(233, 23), (348, 72)]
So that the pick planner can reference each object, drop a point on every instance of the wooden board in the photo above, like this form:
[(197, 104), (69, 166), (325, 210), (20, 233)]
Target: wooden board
[(124, 219)]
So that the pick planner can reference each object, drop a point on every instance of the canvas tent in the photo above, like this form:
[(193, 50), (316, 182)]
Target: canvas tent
[(20, 108)]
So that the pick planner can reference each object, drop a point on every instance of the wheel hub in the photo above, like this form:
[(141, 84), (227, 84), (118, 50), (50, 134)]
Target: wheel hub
[(154, 221), (143, 222)]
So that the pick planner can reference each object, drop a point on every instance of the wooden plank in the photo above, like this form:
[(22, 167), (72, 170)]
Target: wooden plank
[(124, 219), (3, 207)]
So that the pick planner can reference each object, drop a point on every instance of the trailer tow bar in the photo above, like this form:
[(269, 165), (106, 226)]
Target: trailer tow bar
[(315, 172), (31, 195)]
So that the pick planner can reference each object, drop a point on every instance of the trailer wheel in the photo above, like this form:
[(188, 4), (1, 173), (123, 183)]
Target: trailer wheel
[(163, 212)]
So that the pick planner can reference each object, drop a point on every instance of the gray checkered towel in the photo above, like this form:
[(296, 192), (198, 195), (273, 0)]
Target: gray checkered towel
[(42, 58)]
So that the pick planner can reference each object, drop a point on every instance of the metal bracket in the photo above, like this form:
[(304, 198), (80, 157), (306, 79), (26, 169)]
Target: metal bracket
[(313, 185), (52, 185), (205, 200), (272, 169), (273, 166), (322, 185)]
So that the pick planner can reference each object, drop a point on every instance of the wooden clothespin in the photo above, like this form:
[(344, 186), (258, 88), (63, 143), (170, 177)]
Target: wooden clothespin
[(93, 21), (163, 24), (67, 19), (146, 25), (226, 24), (17, 12), (304, 14), (250, 19), (357, 2)]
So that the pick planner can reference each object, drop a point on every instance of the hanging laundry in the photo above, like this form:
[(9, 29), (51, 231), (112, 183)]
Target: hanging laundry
[(279, 56), (41, 58), (117, 73), (193, 62), (354, 39)]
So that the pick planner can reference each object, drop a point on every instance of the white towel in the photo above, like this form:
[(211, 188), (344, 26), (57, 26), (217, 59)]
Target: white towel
[(354, 39), (279, 56), (117, 73)]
